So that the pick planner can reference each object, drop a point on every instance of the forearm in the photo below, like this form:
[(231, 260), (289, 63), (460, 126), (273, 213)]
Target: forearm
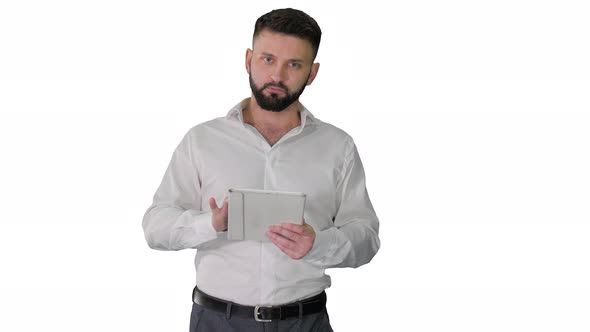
[(353, 239), (176, 219), (172, 228), (351, 245)]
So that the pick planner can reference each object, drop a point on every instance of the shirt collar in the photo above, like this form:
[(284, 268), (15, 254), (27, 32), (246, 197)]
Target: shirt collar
[(236, 113)]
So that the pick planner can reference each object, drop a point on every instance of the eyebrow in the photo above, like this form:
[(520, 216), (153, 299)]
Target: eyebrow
[(292, 60)]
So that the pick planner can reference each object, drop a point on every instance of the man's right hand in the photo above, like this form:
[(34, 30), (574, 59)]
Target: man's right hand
[(219, 219)]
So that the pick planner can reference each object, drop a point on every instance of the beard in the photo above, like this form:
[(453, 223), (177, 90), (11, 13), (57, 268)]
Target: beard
[(274, 103)]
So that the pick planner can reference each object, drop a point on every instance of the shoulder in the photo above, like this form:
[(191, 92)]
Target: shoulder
[(207, 128), (333, 134)]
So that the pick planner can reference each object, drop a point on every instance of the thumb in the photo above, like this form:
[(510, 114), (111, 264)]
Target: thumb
[(213, 204)]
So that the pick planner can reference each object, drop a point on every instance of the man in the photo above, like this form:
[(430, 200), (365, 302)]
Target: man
[(268, 141)]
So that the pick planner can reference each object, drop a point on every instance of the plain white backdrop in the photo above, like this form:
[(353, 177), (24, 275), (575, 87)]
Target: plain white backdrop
[(472, 119)]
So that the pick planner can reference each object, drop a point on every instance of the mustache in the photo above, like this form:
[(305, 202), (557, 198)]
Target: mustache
[(276, 85)]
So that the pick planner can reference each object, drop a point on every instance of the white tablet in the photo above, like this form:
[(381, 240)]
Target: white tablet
[(251, 212)]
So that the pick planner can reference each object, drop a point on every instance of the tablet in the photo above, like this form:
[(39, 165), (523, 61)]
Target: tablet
[(251, 212)]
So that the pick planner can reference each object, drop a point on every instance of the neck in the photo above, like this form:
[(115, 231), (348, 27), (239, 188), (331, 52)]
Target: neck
[(262, 119)]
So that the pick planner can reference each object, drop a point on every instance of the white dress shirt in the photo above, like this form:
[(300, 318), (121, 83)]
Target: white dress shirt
[(315, 158)]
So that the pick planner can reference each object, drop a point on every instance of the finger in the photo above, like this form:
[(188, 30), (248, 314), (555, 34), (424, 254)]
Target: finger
[(275, 228), (213, 204), (278, 238), (282, 231), (294, 227), (291, 252), (285, 245)]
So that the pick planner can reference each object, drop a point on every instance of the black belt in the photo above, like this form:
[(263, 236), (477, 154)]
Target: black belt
[(304, 307)]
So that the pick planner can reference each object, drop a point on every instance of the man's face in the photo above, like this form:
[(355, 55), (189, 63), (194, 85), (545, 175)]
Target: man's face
[(279, 66)]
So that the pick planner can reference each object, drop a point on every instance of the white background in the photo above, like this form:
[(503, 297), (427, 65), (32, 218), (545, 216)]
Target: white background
[(471, 117)]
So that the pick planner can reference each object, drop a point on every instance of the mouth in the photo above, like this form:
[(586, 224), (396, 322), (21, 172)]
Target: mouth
[(275, 90)]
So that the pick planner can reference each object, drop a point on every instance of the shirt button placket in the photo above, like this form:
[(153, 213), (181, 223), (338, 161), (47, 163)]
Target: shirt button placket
[(268, 171)]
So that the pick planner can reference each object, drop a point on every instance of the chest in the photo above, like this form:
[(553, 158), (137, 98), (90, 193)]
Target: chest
[(272, 136), (290, 167)]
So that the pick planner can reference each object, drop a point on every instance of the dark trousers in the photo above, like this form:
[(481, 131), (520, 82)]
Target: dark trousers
[(205, 320)]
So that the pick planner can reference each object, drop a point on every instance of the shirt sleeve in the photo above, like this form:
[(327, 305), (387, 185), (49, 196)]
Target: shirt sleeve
[(175, 220), (354, 239)]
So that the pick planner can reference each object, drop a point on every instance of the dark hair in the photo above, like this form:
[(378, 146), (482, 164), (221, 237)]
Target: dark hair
[(291, 22)]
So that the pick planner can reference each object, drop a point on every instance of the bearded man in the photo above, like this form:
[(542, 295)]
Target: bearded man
[(269, 141)]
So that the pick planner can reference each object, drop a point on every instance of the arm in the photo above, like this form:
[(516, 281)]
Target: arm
[(354, 239), (176, 220), (352, 242)]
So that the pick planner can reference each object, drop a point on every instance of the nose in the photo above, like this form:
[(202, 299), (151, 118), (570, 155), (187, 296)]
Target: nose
[(279, 74)]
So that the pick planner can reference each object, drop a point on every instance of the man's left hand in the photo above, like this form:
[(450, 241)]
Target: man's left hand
[(294, 240)]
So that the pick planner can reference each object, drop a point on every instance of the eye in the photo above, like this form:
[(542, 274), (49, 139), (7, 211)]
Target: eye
[(295, 65), (267, 59)]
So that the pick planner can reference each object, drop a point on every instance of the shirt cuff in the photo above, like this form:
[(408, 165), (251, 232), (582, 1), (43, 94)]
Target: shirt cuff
[(204, 227), (329, 248), (199, 227)]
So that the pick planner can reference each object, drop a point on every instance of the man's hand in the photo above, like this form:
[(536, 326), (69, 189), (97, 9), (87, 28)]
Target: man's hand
[(219, 218), (294, 240)]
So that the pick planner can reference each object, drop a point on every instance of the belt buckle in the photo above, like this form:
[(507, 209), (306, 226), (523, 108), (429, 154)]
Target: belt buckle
[(257, 315)]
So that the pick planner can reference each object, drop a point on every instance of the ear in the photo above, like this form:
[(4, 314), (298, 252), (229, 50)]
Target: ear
[(314, 71), (248, 59)]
